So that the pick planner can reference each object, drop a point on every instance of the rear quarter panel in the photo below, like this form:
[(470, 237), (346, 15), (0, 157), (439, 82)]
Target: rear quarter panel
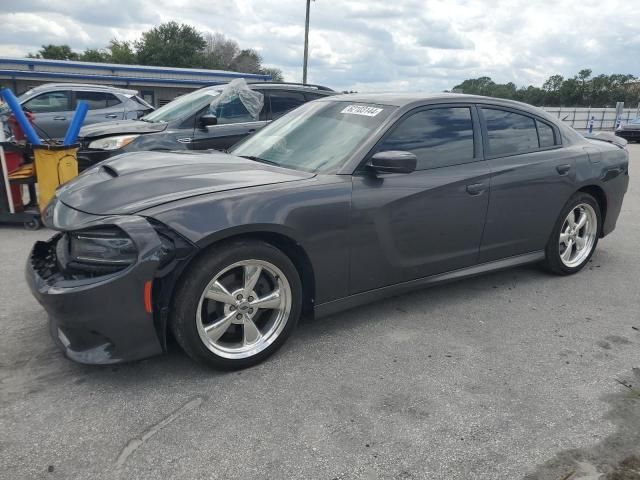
[(606, 166)]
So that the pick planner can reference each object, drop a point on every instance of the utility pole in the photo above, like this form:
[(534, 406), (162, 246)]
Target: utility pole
[(306, 43)]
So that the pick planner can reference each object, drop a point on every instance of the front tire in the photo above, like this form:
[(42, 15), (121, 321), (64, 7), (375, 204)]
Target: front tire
[(236, 305), (575, 235)]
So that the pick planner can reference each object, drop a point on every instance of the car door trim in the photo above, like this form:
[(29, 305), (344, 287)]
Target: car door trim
[(334, 306)]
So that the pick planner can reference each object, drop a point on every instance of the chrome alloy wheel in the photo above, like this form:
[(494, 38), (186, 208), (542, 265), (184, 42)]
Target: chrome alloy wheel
[(243, 309), (578, 235)]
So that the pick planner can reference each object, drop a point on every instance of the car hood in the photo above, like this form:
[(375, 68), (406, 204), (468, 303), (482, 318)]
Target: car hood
[(631, 126), (120, 127), (136, 181)]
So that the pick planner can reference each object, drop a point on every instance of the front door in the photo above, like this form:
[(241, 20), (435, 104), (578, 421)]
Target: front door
[(52, 113), (234, 123), (408, 226)]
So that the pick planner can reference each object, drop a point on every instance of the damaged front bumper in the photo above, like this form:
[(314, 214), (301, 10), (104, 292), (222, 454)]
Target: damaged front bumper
[(100, 318)]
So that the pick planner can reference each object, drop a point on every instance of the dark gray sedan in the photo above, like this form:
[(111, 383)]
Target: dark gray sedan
[(630, 131), (341, 202)]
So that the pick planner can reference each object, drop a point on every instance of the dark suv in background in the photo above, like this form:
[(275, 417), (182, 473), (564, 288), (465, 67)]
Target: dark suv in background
[(53, 105), (187, 123)]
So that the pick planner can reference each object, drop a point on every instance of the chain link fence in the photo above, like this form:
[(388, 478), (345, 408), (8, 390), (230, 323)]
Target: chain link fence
[(604, 118)]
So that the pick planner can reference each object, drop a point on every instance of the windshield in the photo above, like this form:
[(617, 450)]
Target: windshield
[(184, 106), (316, 137)]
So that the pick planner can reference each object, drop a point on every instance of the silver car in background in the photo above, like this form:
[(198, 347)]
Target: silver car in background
[(53, 105)]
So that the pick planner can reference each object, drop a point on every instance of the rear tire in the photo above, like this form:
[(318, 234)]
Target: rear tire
[(575, 235), (236, 305)]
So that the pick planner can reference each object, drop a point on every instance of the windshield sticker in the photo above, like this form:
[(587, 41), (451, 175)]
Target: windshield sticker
[(362, 110)]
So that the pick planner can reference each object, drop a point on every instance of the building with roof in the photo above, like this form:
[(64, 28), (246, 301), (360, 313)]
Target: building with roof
[(157, 85)]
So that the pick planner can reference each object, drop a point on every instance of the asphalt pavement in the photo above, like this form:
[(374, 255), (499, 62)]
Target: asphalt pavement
[(517, 374)]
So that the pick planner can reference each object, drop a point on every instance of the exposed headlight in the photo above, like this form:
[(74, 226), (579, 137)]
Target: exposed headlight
[(108, 247), (113, 143)]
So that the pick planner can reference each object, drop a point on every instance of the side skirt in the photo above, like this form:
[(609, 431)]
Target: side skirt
[(329, 308)]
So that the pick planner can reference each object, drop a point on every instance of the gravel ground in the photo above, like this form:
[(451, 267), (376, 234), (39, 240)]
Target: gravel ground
[(510, 375)]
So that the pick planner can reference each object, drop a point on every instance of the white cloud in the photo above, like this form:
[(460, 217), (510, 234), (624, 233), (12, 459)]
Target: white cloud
[(365, 45)]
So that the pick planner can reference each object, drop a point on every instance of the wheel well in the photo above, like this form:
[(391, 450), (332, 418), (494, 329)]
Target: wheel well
[(291, 249), (597, 193)]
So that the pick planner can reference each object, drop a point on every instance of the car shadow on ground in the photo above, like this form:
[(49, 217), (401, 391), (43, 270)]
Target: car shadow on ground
[(176, 362), (45, 366)]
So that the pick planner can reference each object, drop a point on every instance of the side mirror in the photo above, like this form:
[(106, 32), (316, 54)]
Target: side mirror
[(208, 120), (393, 161)]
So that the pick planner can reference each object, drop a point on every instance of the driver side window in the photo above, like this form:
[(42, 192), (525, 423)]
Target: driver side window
[(233, 112), (49, 102), (438, 137)]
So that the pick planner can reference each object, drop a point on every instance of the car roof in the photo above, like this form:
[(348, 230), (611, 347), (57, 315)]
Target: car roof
[(404, 99), (419, 99), (83, 86), (305, 87)]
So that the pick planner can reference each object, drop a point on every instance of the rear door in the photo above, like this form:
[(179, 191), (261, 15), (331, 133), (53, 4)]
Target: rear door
[(52, 113), (103, 106), (408, 226), (234, 123), (532, 178)]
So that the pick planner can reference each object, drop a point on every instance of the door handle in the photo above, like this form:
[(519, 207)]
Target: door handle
[(563, 169), (476, 188), (112, 115), (59, 118)]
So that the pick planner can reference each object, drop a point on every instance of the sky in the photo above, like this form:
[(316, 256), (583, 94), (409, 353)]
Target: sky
[(364, 45)]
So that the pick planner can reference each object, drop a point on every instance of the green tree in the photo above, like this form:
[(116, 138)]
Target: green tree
[(582, 90), (477, 86), (55, 52), (248, 61), (532, 95), (95, 55), (276, 73), (583, 78), (220, 51), (171, 45), (121, 52)]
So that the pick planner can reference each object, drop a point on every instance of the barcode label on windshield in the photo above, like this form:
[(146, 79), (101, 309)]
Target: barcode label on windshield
[(362, 110)]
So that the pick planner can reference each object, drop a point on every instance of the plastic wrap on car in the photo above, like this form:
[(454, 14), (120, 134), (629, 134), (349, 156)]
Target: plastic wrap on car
[(253, 101)]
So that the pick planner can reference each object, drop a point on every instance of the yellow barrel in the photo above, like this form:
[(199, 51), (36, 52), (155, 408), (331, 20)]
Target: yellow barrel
[(55, 165)]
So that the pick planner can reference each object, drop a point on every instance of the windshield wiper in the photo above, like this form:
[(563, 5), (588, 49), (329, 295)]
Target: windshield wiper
[(261, 160)]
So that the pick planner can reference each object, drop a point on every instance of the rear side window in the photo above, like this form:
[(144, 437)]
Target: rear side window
[(439, 137), (509, 133), (96, 100), (313, 96), (284, 101), (546, 135), (112, 100)]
